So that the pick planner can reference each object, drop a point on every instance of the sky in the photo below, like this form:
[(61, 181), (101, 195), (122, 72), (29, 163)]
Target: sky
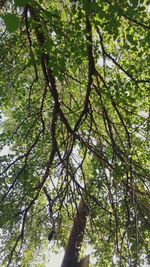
[(55, 259)]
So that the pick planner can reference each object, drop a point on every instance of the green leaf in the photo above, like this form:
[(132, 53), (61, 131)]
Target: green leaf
[(22, 3), (11, 21)]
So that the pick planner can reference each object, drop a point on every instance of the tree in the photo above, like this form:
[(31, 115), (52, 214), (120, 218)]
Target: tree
[(74, 82)]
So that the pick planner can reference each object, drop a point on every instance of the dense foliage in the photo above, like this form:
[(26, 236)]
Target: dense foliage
[(74, 85)]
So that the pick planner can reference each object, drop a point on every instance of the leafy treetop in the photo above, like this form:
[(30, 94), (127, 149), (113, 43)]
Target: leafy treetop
[(74, 80)]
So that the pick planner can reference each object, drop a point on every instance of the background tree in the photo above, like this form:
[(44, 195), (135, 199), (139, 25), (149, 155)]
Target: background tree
[(74, 80)]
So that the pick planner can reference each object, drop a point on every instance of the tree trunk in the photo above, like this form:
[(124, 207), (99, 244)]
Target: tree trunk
[(84, 262), (71, 257)]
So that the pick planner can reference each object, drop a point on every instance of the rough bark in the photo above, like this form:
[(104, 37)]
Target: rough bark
[(2, 3), (71, 257)]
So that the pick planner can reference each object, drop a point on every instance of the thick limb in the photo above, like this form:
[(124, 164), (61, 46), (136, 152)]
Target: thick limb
[(71, 256)]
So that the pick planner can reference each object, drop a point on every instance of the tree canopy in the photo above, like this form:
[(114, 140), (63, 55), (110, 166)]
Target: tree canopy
[(74, 85)]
